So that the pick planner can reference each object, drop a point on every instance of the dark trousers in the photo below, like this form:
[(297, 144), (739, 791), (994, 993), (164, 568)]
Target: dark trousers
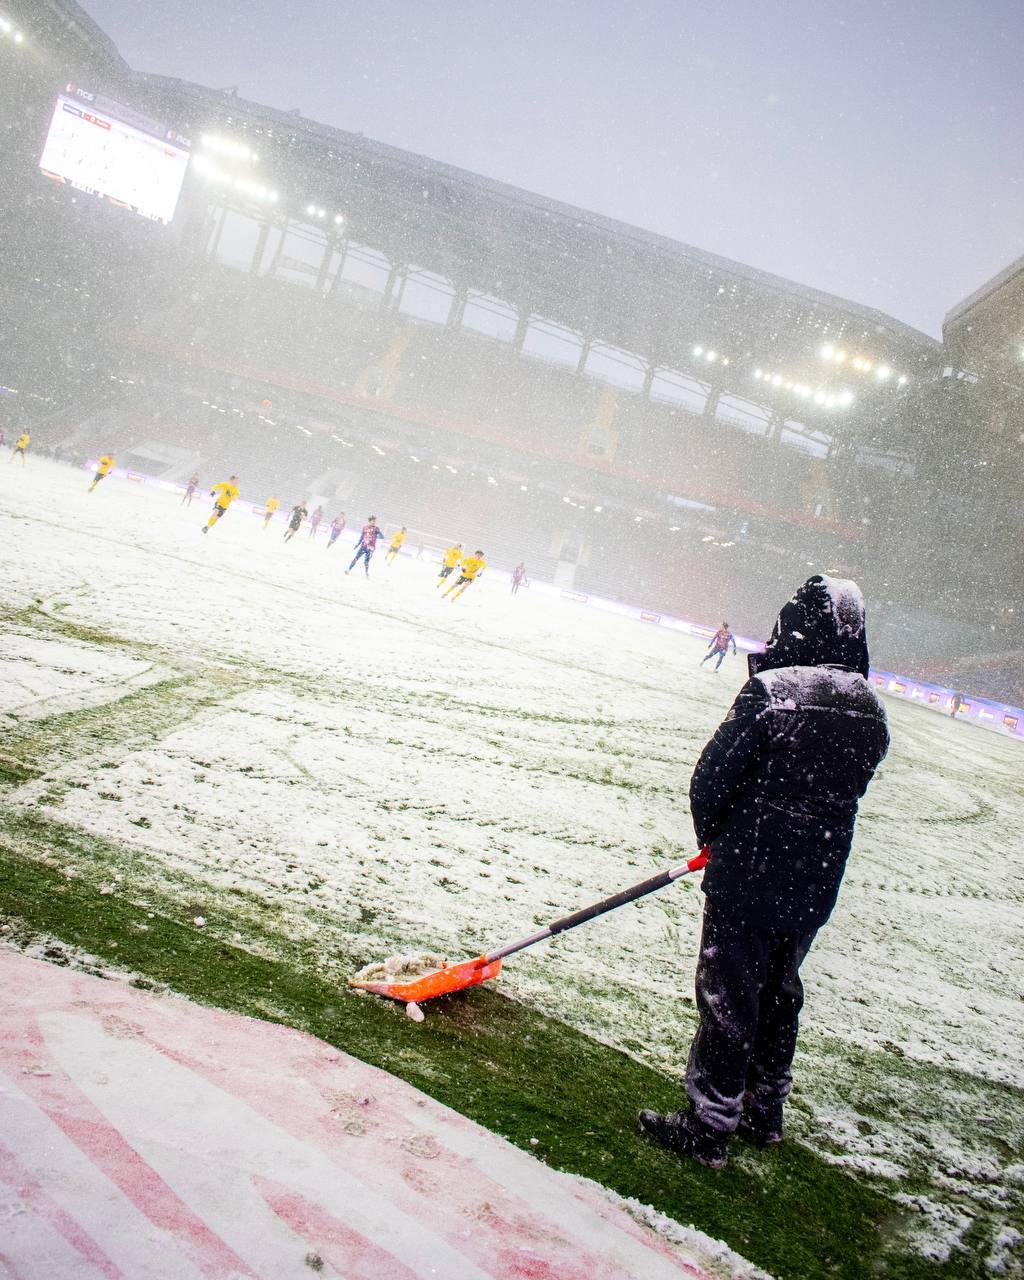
[(362, 553), (749, 997)]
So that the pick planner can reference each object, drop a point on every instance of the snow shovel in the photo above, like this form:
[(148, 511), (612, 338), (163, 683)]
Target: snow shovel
[(456, 977)]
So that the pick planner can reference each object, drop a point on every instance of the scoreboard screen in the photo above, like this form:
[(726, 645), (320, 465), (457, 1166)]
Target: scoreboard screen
[(108, 150)]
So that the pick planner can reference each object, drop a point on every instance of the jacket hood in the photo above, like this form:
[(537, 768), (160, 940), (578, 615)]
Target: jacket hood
[(823, 625)]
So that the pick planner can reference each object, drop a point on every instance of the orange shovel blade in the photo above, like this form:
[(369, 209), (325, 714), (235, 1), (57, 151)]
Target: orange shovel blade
[(453, 977)]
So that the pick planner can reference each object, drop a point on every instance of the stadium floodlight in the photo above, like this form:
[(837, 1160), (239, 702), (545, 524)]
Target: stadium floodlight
[(819, 397), (567, 500), (311, 209), (698, 351), (413, 458), (901, 380), (840, 356), (883, 372), (845, 398), (726, 360), (711, 357), (523, 488), (18, 37), (757, 373), (828, 351), (599, 510), (777, 380), (339, 218), (638, 519)]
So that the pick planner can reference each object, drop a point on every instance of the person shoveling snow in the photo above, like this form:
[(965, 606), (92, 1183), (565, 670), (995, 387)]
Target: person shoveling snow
[(774, 794)]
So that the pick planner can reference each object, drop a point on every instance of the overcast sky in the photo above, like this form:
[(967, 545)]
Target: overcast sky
[(868, 148)]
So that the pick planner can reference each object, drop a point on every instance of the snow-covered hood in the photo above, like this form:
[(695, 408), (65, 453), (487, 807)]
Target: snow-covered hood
[(823, 625)]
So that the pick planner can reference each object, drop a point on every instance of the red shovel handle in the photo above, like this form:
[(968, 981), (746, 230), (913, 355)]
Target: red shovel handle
[(631, 894)]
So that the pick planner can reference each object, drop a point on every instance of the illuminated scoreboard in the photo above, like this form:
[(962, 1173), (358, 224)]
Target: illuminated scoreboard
[(107, 150)]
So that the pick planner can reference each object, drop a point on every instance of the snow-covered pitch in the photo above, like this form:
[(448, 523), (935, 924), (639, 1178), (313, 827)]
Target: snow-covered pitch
[(397, 773)]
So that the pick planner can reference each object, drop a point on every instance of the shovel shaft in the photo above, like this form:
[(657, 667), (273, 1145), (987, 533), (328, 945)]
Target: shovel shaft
[(663, 878)]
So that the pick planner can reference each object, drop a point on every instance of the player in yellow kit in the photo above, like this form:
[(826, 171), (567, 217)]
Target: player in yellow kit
[(471, 569), (20, 445), (451, 558), (223, 494), (103, 469), (395, 546), (268, 511)]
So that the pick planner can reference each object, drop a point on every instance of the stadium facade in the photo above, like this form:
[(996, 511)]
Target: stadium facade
[(333, 317)]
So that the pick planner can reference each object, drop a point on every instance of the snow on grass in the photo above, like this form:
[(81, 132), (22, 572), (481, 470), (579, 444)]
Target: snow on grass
[(721, 1261), (394, 773)]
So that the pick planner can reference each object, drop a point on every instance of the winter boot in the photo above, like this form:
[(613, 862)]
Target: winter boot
[(683, 1133), (761, 1122)]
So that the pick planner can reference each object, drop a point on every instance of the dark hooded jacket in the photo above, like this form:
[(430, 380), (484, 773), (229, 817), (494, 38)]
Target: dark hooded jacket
[(775, 791)]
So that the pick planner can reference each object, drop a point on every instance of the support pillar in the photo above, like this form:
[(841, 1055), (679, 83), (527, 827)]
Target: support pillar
[(458, 307), (393, 295), (775, 424), (581, 363), (341, 245), (522, 324), (272, 269), (215, 242), (325, 266), (261, 247), (711, 403)]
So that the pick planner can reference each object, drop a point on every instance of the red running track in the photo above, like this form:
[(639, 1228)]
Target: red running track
[(144, 1136)]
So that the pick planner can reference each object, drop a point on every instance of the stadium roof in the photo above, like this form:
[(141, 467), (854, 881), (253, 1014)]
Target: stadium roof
[(66, 26), (605, 280), (985, 291), (625, 285)]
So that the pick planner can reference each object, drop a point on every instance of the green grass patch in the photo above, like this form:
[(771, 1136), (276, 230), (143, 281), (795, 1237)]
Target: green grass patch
[(52, 622), (515, 1071), (134, 717)]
